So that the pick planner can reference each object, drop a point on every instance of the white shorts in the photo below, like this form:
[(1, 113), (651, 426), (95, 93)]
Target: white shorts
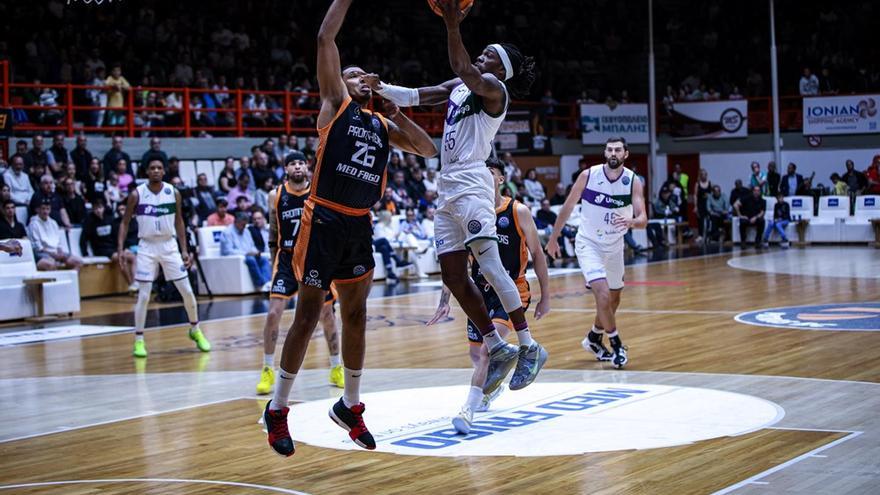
[(466, 208), (152, 254), (597, 263)]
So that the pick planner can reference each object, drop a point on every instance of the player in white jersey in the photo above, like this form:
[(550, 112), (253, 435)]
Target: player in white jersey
[(477, 104), (156, 205), (612, 202)]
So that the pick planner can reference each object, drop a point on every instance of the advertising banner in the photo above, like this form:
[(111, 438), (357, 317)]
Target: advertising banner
[(600, 122), (710, 120), (856, 114)]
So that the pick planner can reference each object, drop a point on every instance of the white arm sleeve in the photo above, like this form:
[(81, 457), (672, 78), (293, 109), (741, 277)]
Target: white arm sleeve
[(402, 97)]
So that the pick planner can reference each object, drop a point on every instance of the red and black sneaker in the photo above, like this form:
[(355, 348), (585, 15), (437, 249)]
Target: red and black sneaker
[(352, 420), (279, 436)]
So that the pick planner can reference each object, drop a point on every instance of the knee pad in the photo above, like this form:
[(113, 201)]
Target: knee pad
[(487, 254)]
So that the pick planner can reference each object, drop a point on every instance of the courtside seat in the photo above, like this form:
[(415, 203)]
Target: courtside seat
[(73, 237), (770, 204), (826, 226), (224, 274), (188, 172), (59, 297), (858, 228)]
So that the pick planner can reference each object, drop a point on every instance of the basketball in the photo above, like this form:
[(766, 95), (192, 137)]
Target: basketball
[(462, 5)]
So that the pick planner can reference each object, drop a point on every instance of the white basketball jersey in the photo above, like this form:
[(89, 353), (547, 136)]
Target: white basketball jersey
[(469, 130), (156, 212), (602, 200)]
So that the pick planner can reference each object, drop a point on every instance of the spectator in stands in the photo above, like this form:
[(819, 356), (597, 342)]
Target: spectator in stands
[(125, 179), (259, 229), (93, 183), (37, 156), (269, 149), (838, 187), (10, 227), (719, 211), (411, 228), (19, 183), (81, 157), (827, 85), (226, 180), (98, 233), (58, 152), (534, 188), (154, 153), (247, 168), (46, 193), (781, 219), (738, 191), (73, 202), (792, 182), (773, 179), (428, 222), (512, 172), (582, 165), (559, 196), (667, 205), (758, 178), (261, 198), (750, 210), (5, 193), (310, 149), (702, 190), (112, 157), (399, 192), (386, 203), (545, 218), (283, 148), (237, 240), (97, 97), (116, 84), (383, 234), (241, 189), (809, 83), (221, 216), (735, 94), (112, 193), (204, 195), (872, 176), (47, 240), (430, 180), (855, 180), (415, 185), (242, 204)]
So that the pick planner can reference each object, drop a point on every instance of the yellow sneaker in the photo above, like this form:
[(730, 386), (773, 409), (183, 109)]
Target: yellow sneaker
[(196, 335), (267, 379), (337, 377), (140, 349)]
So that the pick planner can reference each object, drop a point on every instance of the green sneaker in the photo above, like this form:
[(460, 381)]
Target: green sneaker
[(140, 349), (196, 335)]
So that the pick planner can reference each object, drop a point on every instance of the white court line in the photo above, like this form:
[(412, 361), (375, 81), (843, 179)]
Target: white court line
[(755, 479), (585, 310), (156, 480), (127, 418)]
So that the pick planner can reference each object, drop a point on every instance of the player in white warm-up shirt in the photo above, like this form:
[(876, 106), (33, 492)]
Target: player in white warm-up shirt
[(612, 202), (477, 102), (156, 206)]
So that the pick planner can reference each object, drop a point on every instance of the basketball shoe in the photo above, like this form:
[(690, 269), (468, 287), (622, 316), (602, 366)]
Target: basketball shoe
[(595, 345), (462, 422), (502, 359), (619, 360), (279, 435), (486, 402), (267, 380), (352, 420), (531, 360), (196, 335), (140, 349), (337, 376)]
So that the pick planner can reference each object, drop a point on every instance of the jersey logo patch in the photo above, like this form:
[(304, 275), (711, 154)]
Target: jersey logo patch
[(625, 180), (503, 222), (167, 191), (359, 270), (474, 226)]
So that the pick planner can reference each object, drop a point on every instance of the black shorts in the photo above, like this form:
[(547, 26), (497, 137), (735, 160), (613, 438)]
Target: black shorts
[(496, 310), (284, 285), (332, 246)]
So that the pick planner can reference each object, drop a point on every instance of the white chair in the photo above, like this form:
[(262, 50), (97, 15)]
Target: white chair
[(59, 297), (188, 172), (826, 226), (769, 205), (858, 228), (224, 274)]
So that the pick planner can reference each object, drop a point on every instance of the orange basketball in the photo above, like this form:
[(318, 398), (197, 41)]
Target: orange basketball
[(462, 5)]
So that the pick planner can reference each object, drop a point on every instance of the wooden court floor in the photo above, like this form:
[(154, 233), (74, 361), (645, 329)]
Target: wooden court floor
[(82, 416)]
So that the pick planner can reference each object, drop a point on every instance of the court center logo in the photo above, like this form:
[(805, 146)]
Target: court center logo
[(542, 420), (846, 317)]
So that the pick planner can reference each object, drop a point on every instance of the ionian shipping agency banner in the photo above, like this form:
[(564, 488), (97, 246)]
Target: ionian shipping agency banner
[(600, 122), (856, 114), (710, 120)]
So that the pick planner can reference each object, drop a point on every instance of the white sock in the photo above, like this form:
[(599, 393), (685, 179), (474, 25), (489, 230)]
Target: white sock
[(282, 390), (189, 300), (140, 307), (475, 396), (139, 337), (492, 340), (335, 360), (612, 334), (524, 337), (351, 396), (268, 360)]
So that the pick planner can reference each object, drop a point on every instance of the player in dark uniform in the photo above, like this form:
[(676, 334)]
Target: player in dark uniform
[(517, 238), (286, 205), (335, 241)]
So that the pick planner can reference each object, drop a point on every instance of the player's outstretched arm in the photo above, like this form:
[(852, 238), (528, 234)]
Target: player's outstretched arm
[(130, 206), (404, 134), (330, 83), (412, 97), (533, 243), (486, 85), (572, 199)]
